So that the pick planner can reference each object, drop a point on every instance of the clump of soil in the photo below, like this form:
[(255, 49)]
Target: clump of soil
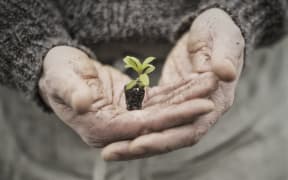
[(134, 97)]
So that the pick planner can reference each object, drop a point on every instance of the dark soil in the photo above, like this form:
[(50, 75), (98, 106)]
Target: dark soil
[(134, 97)]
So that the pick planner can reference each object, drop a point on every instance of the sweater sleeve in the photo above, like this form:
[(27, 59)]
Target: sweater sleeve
[(262, 22), (28, 29)]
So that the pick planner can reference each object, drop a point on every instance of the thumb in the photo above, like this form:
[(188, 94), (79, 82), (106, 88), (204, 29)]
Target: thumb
[(223, 68), (73, 91), (225, 58)]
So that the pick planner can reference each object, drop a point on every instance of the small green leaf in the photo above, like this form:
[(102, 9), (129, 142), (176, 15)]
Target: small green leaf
[(133, 63), (149, 69), (131, 84), (129, 63), (137, 62), (144, 79), (134, 67), (148, 60)]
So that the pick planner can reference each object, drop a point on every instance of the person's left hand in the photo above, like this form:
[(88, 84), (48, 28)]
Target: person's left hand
[(213, 44)]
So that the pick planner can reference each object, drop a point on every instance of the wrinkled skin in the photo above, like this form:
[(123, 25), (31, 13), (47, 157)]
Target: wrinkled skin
[(89, 98), (213, 44)]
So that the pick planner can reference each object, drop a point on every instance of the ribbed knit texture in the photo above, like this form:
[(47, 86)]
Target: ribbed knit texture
[(262, 22), (28, 29)]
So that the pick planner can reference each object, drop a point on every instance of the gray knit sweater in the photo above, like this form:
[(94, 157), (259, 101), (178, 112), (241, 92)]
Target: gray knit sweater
[(29, 28)]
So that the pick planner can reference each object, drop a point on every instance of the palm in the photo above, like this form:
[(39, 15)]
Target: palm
[(107, 120)]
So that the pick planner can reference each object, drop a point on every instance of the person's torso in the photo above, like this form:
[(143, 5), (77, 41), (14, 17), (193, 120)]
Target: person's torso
[(93, 23)]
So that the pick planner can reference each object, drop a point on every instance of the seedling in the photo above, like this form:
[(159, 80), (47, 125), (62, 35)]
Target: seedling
[(135, 89)]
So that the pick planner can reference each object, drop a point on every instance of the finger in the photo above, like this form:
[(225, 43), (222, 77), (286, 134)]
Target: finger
[(160, 142), (215, 34), (64, 76), (72, 90), (176, 115), (153, 144), (119, 151), (200, 87), (134, 123), (219, 58), (172, 139), (221, 62), (196, 86), (158, 92), (227, 52), (223, 59)]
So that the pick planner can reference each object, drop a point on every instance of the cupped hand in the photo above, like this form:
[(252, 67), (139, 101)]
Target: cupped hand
[(89, 97), (213, 44)]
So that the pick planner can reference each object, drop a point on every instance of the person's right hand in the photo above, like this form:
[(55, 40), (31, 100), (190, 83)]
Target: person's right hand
[(89, 97)]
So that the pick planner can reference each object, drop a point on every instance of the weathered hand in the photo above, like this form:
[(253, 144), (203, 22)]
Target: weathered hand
[(89, 98), (213, 44)]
